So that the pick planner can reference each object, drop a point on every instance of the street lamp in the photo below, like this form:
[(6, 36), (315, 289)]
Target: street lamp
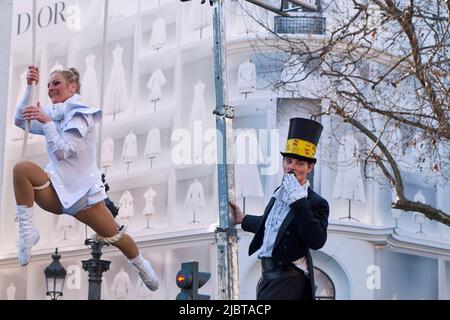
[(55, 274)]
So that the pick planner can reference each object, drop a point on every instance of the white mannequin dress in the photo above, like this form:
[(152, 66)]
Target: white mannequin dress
[(292, 73), (159, 34), (11, 292), (89, 83), (199, 105), (247, 77), (198, 117), (126, 205), (129, 151), (195, 198), (149, 195), (247, 177), (349, 184), (65, 223), (23, 85), (200, 16), (107, 154), (155, 84), (116, 98), (153, 145), (121, 285), (43, 77)]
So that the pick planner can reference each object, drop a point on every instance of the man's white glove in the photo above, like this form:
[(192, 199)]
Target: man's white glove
[(293, 190)]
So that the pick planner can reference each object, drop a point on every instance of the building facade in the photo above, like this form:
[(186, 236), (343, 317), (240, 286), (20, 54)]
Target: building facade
[(167, 192)]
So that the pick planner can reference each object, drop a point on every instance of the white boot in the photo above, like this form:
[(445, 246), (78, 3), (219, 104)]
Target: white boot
[(145, 271), (28, 234)]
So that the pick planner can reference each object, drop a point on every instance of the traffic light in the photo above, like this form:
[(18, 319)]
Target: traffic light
[(189, 280)]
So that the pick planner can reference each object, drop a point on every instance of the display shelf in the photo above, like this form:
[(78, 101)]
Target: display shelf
[(184, 172), (166, 9), (255, 103), (163, 59), (139, 177), (36, 147), (197, 50), (140, 124)]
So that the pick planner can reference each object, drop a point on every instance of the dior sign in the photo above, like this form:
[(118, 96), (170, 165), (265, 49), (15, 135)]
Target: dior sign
[(46, 16)]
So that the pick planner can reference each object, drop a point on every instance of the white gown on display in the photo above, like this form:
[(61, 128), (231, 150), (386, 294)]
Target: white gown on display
[(129, 151), (247, 77), (105, 290), (121, 285), (107, 154), (155, 84), (89, 84), (195, 198), (197, 118), (349, 184), (159, 34), (420, 218), (65, 223), (23, 85), (126, 206), (149, 195), (292, 73), (43, 77), (11, 292), (149, 208), (153, 145), (199, 109), (200, 16), (247, 177), (116, 98)]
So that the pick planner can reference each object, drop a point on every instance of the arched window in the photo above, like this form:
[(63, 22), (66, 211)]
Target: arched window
[(324, 286)]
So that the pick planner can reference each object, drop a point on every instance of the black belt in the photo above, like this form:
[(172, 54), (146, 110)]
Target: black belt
[(268, 265)]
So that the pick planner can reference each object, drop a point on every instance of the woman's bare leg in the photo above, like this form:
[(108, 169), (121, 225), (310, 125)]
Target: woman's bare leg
[(100, 219), (27, 175)]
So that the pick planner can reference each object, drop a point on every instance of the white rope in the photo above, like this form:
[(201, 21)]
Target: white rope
[(112, 239), (33, 59), (45, 186)]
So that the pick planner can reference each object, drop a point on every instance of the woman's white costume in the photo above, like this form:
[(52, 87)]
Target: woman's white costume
[(71, 148)]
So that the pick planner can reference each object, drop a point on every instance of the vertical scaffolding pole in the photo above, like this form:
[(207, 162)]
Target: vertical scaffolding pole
[(226, 233)]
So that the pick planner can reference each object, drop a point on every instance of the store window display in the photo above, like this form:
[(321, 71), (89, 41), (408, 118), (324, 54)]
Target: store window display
[(116, 97)]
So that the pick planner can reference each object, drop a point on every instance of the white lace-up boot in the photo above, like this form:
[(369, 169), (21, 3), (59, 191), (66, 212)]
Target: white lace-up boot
[(28, 234), (145, 271)]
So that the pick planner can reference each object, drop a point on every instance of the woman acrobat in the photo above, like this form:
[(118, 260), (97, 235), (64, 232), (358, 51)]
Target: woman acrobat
[(71, 182)]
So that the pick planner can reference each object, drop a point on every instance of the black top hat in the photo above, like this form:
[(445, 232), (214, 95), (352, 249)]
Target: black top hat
[(303, 137)]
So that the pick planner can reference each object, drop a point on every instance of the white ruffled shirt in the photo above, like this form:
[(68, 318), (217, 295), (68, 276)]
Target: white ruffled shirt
[(71, 146)]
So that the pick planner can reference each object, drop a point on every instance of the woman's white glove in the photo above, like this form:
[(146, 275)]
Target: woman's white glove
[(293, 189)]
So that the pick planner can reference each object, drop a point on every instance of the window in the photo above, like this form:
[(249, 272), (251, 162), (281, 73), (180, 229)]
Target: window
[(324, 286)]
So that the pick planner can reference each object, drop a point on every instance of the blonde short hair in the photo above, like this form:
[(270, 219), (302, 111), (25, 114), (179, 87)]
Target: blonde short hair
[(71, 75)]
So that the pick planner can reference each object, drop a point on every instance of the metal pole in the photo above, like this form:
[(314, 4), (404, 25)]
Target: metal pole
[(103, 75), (226, 234), (95, 268)]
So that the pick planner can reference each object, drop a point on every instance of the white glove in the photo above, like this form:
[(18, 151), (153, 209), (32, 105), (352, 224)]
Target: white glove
[(293, 190)]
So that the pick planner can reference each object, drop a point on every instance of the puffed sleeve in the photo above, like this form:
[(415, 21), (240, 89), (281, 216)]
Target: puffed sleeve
[(67, 144), (19, 121)]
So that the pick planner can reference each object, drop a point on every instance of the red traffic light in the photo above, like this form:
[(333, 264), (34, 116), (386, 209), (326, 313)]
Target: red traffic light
[(184, 279)]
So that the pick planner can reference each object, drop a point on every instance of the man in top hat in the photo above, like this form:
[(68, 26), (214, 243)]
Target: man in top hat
[(295, 220)]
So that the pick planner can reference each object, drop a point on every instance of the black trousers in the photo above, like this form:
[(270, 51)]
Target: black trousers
[(284, 284)]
